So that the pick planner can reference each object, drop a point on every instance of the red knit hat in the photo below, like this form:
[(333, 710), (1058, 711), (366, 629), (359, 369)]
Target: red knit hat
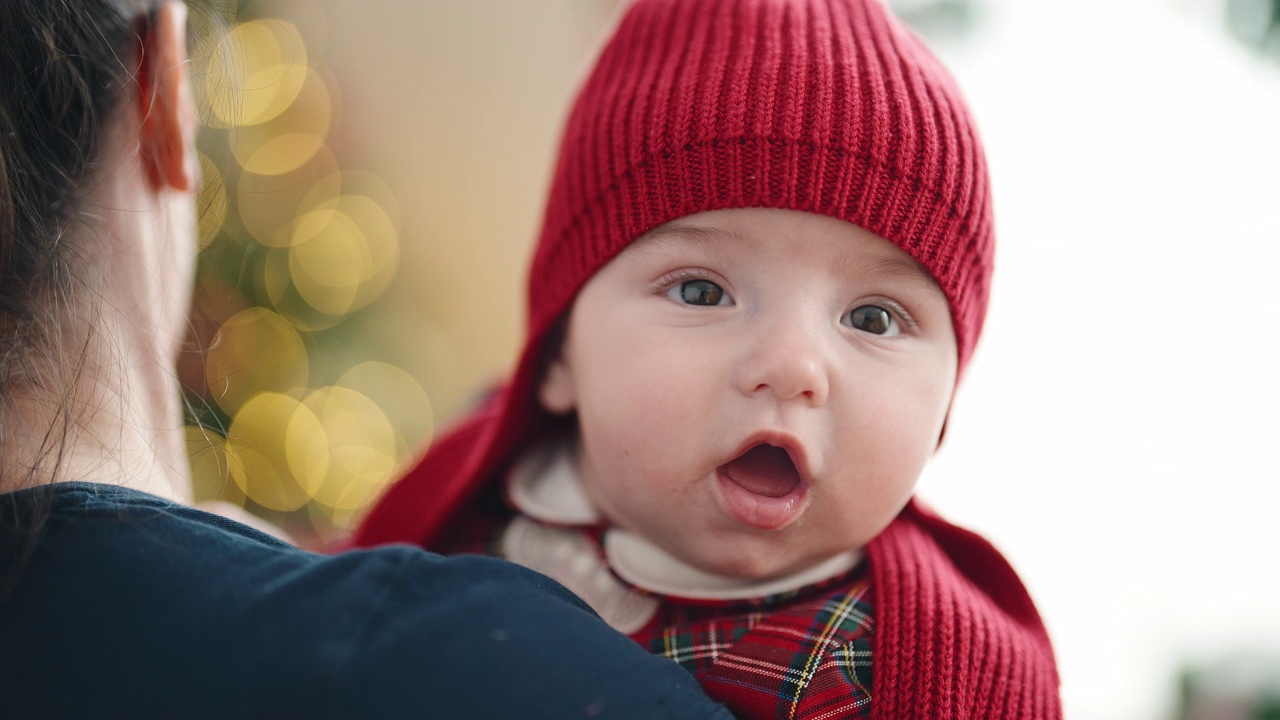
[(823, 106)]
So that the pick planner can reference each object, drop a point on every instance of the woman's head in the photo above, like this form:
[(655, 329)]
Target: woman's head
[(97, 179), (63, 71)]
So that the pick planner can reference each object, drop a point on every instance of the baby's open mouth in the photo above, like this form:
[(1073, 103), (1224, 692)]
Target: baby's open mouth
[(764, 470)]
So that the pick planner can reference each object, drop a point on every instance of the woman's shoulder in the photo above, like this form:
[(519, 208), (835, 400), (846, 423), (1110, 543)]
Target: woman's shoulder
[(151, 608), (126, 592), (108, 546)]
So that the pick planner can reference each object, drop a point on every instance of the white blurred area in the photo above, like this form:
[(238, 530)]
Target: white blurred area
[(1115, 434)]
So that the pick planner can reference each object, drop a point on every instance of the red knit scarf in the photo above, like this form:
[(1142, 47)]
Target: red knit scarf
[(956, 636)]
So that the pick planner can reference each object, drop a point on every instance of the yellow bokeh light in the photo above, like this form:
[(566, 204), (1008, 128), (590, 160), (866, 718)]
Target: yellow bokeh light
[(307, 449), (362, 448), (215, 70), (267, 74), (277, 284), (275, 277), (401, 398), (211, 203), (382, 245), (332, 246), (353, 182), (308, 16), (291, 139), (210, 469), (283, 153), (254, 350), (269, 203), (344, 254), (276, 449), (327, 260)]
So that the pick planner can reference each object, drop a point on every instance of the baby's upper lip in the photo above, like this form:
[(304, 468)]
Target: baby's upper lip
[(789, 442)]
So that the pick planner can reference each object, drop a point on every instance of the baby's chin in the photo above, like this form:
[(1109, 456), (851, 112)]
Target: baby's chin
[(756, 566)]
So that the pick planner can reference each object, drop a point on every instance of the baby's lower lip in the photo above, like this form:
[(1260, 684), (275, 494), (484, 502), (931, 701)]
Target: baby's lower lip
[(761, 511)]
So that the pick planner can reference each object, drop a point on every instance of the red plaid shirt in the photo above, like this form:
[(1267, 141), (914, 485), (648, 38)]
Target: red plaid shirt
[(807, 657), (802, 654)]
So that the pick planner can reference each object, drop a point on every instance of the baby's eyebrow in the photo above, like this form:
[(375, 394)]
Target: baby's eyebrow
[(893, 267), (675, 235)]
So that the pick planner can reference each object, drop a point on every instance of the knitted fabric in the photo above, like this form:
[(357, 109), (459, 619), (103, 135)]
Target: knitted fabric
[(957, 635), (822, 106)]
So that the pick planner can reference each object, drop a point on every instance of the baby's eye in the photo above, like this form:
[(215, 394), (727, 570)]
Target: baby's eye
[(698, 292), (872, 319)]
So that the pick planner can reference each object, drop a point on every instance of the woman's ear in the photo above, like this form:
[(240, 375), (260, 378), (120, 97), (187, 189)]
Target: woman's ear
[(168, 128), (556, 390)]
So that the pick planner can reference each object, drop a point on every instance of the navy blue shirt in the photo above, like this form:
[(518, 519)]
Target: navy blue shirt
[(131, 606)]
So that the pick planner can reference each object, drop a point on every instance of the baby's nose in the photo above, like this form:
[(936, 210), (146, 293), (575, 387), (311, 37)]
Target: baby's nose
[(791, 362)]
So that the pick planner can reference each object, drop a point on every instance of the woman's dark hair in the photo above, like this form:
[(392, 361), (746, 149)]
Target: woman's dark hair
[(64, 68)]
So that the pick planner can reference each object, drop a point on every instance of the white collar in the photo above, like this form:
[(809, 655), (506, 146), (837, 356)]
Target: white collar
[(544, 485)]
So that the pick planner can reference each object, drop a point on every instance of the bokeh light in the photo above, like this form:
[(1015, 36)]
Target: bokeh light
[(361, 445), (270, 72), (327, 260), (210, 469), (255, 350), (277, 451), (403, 400), (344, 254), (268, 204), (291, 138), (293, 244), (211, 203), (307, 16)]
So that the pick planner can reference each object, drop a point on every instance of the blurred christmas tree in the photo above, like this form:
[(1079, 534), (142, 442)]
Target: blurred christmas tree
[(295, 410)]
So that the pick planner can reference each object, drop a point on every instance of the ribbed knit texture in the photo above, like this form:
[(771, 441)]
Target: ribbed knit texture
[(823, 106), (957, 635)]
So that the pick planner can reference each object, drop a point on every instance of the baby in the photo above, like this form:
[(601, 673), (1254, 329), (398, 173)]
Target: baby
[(764, 264)]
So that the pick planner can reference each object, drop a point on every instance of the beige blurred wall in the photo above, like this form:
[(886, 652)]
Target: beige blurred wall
[(457, 104)]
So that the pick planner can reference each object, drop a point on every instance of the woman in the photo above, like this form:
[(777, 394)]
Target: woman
[(116, 598)]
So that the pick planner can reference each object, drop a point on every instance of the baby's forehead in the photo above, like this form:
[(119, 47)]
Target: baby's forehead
[(865, 253)]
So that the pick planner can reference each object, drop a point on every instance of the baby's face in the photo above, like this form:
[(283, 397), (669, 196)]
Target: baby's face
[(756, 389)]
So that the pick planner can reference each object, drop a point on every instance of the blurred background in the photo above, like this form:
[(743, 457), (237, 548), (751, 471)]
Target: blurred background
[(374, 173)]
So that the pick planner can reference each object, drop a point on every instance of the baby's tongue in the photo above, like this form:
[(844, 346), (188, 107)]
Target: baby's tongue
[(764, 470)]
